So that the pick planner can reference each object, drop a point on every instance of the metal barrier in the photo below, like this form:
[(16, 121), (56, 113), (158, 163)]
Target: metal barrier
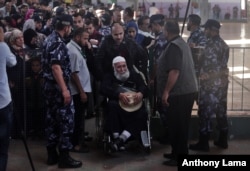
[(239, 77)]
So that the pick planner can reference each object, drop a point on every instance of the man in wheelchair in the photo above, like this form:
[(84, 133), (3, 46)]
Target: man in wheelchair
[(126, 114)]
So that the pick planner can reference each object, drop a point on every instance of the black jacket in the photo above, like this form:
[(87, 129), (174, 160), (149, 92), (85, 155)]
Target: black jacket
[(111, 87), (129, 49)]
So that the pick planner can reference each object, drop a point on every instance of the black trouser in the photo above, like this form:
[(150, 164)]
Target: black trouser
[(118, 119), (79, 121), (177, 116)]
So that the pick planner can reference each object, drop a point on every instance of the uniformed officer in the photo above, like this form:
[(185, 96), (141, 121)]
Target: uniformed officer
[(213, 88), (60, 110), (197, 36), (157, 22), (197, 39)]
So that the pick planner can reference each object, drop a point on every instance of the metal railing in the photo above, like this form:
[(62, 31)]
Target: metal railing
[(239, 77)]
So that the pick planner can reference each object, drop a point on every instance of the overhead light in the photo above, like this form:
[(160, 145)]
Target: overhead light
[(243, 76), (238, 68)]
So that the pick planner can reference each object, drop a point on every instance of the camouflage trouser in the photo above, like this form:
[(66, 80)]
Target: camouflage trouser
[(212, 103), (59, 118)]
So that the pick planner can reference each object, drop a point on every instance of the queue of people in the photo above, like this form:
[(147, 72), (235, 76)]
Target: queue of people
[(78, 60)]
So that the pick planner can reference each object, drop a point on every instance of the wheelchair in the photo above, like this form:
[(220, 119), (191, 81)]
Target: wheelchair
[(104, 138)]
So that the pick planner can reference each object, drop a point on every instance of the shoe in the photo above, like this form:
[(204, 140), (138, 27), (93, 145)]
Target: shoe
[(122, 148), (220, 144), (117, 145), (171, 162), (168, 155), (199, 147), (53, 156), (89, 116), (87, 138), (112, 147), (202, 144), (65, 161), (80, 149), (222, 140)]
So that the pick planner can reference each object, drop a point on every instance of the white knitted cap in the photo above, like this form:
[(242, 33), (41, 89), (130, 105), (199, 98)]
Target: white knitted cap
[(118, 59)]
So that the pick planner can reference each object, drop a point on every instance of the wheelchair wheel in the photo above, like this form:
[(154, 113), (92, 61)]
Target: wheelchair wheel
[(147, 150), (106, 144), (99, 123)]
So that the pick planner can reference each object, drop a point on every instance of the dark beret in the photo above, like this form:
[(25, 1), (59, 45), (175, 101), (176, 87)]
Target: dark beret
[(37, 18), (106, 19), (195, 19), (212, 24), (157, 18), (59, 10), (65, 19)]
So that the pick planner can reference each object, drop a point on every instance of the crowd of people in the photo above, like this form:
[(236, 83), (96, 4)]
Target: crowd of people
[(69, 59)]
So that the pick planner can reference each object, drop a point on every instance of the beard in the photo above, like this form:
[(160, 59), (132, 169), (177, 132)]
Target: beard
[(122, 77)]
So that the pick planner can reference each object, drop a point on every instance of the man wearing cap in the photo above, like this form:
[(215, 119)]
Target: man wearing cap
[(176, 90), (105, 21), (197, 36), (157, 22), (125, 117), (197, 40), (59, 104), (213, 89)]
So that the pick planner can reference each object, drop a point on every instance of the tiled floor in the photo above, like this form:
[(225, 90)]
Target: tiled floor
[(132, 160), (135, 159)]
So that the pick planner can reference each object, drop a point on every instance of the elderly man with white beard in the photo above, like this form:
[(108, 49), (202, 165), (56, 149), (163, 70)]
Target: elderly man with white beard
[(126, 114)]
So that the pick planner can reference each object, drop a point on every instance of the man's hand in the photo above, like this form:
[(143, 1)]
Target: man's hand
[(123, 97), (165, 99), (138, 97), (94, 42), (84, 97), (66, 97)]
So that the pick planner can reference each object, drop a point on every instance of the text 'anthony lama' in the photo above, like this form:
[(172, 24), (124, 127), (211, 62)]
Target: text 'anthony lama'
[(215, 164)]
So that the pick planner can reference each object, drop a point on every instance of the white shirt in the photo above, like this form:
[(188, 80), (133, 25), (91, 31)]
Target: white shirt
[(3, 12), (7, 59), (78, 65), (153, 10)]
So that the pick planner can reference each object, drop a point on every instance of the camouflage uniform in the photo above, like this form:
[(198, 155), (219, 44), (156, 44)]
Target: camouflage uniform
[(59, 118), (158, 48), (213, 91), (199, 39), (159, 45)]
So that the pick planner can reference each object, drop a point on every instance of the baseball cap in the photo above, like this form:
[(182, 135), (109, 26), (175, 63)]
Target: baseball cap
[(212, 24), (59, 10), (195, 19), (37, 18), (106, 19), (157, 18), (65, 19), (89, 15)]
